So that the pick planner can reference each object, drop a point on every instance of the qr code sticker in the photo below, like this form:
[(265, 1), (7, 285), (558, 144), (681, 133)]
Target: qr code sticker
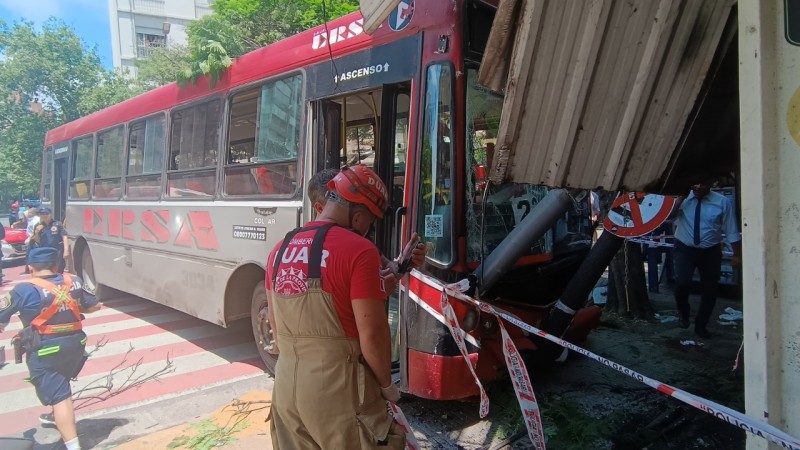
[(434, 226)]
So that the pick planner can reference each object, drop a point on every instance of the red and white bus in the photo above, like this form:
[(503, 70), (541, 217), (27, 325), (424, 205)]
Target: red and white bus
[(178, 194)]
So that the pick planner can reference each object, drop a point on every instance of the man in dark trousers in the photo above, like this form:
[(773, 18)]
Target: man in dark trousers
[(50, 306), (704, 220), (54, 235)]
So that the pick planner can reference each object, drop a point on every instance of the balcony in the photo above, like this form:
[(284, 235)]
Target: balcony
[(145, 43), (149, 6)]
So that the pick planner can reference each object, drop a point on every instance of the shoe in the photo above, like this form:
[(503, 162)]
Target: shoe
[(47, 419), (683, 321), (702, 332)]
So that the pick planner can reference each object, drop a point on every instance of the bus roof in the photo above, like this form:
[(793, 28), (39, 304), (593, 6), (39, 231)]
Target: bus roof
[(345, 35)]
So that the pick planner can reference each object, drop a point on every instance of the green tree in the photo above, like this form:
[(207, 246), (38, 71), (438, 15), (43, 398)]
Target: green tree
[(21, 138), (112, 88), (240, 26), (51, 66), (163, 65), (47, 77)]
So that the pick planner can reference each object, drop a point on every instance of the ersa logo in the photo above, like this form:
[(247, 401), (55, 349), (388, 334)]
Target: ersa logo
[(326, 37), (401, 16), (193, 229)]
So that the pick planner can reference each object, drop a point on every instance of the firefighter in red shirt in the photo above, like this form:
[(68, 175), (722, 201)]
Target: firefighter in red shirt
[(326, 306)]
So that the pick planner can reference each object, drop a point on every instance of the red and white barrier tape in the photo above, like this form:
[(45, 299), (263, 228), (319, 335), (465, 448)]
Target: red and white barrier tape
[(523, 389), (400, 418), (757, 428), (451, 321), (653, 243)]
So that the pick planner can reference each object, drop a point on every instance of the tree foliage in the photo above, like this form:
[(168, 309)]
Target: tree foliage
[(47, 77), (240, 26), (163, 65)]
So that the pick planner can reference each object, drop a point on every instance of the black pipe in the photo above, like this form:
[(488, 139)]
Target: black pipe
[(532, 228), (576, 293)]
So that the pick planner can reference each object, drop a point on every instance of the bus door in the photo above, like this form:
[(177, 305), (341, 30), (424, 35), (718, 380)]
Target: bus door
[(391, 166), (328, 136), (371, 128), (60, 183)]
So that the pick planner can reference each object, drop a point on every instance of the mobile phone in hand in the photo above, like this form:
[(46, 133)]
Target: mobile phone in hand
[(404, 259)]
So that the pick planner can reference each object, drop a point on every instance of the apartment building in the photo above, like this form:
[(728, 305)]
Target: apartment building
[(138, 26)]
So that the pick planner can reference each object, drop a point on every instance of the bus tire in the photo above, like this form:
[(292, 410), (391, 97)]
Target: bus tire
[(88, 275), (262, 331)]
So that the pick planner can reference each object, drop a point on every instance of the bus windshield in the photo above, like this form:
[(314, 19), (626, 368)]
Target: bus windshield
[(506, 204)]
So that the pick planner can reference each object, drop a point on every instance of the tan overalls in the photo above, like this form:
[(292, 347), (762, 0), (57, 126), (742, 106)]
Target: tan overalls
[(325, 396)]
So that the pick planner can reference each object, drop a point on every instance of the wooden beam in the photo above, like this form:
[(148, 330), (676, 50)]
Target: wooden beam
[(375, 12)]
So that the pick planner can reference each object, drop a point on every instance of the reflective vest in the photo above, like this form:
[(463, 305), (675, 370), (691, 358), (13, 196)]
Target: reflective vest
[(61, 296)]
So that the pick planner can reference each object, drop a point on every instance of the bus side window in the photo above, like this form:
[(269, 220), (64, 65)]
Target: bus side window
[(193, 151), (263, 139), (146, 144), (80, 177), (108, 168)]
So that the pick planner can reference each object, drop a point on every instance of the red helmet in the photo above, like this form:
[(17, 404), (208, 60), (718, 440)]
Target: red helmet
[(359, 184)]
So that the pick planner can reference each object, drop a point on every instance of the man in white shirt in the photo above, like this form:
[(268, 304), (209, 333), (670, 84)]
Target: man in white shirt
[(32, 215), (704, 220)]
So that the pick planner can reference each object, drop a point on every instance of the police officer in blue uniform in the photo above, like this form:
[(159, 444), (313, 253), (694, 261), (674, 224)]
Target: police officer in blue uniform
[(51, 307), (54, 235)]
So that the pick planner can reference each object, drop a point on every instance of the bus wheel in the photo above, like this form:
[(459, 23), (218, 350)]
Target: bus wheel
[(262, 331), (87, 274)]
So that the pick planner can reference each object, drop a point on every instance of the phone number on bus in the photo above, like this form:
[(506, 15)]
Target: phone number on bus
[(249, 232)]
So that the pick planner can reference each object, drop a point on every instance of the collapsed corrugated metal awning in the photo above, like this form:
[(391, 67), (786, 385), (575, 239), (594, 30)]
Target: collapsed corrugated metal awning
[(598, 92)]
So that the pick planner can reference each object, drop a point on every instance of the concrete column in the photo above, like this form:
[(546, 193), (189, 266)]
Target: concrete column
[(769, 89)]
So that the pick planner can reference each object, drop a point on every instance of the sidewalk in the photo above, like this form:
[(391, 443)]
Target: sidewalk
[(236, 426)]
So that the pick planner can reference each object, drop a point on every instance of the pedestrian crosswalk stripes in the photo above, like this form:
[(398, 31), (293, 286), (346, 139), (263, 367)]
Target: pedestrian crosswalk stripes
[(17, 421), (131, 370), (109, 357), (104, 315), (139, 334)]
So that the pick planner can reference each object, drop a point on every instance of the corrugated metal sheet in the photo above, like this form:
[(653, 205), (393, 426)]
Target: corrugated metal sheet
[(375, 12), (598, 91)]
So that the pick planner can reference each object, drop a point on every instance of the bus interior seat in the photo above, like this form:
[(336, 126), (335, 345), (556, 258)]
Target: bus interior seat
[(241, 183), (273, 182)]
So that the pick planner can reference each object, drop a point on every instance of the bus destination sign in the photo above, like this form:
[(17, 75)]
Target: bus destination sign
[(249, 232), (391, 63)]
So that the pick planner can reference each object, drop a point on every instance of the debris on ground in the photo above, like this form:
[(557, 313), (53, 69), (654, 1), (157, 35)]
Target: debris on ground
[(665, 318), (731, 315)]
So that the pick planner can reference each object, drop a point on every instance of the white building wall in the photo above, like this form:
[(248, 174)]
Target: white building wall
[(129, 17), (769, 89)]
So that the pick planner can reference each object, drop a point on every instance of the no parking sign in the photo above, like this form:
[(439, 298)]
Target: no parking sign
[(638, 213)]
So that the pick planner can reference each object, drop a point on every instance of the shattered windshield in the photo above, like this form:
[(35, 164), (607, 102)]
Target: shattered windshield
[(505, 205)]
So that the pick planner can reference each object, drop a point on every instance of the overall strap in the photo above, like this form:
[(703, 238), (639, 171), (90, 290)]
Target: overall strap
[(315, 258), (61, 295), (275, 264), (289, 236)]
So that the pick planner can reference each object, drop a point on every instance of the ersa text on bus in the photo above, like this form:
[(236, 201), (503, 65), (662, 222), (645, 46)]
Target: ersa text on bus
[(342, 33), (192, 229)]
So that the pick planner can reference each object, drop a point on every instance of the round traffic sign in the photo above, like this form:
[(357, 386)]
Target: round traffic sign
[(638, 213)]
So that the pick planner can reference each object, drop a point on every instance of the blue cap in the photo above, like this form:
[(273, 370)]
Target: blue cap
[(41, 255), (45, 210)]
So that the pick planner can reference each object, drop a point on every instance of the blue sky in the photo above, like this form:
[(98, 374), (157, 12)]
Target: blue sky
[(89, 18)]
